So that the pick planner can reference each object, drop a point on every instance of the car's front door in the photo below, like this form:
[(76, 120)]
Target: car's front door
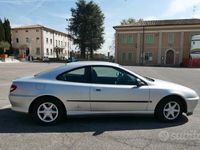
[(113, 89)]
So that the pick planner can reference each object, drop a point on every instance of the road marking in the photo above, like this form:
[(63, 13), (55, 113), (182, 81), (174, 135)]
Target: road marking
[(6, 106)]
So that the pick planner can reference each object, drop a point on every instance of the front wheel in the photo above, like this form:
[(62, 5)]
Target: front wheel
[(48, 112), (169, 110)]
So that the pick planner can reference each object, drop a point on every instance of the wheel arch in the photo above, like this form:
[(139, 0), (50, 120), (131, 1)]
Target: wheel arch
[(178, 97), (45, 97)]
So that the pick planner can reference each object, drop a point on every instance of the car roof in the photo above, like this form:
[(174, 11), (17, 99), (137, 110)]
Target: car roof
[(69, 66), (90, 63)]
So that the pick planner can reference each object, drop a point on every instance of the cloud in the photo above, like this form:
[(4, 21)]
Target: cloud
[(179, 6)]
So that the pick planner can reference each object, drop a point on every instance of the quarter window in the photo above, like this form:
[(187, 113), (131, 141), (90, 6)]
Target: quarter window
[(78, 75)]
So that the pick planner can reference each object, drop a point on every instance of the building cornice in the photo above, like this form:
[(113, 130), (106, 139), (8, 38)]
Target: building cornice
[(40, 27)]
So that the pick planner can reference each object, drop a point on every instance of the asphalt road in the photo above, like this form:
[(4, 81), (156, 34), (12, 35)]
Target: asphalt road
[(18, 131)]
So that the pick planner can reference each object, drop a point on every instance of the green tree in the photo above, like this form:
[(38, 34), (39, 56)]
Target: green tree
[(2, 31), (86, 26), (131, 21), (7, 30), (4, 45)]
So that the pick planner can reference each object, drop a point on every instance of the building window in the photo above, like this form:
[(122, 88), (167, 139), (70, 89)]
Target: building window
[(17, 40), (37, 30), (37, 39), (193, 42), (27, 40), (56, 43), (171, 38), (149, 38), (51, 41), (129, 56), (65, 44), (61, 43), (51, 52), (26, 30), (16, 31), (47, 40), (126, 38), (47, 51), (148, 56), (38, 51), (123, 57)]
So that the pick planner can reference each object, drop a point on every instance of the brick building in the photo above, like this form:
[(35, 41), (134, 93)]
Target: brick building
[(158, 42)]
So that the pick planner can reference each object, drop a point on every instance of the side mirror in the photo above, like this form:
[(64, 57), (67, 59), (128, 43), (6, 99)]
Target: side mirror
[(140, 83)]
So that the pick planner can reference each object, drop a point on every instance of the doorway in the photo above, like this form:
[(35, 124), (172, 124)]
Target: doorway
[(170, 57)]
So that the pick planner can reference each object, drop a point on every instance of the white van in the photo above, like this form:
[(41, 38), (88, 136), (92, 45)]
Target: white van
[(195, 47)]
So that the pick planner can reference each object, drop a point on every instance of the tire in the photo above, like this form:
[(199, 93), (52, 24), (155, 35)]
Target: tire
[(48, 111), (165, 113)]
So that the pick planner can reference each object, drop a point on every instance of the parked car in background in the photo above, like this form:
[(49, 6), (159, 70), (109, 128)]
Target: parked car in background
[(98, 88), (72, 59), (45, 59)]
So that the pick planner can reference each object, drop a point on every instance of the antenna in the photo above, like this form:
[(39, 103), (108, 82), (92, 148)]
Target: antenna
[(194, 11)]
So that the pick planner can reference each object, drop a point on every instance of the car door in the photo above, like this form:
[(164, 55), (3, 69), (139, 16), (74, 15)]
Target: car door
[(75, 89), (113, 89)]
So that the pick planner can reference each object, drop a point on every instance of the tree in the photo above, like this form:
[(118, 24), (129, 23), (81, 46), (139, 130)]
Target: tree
[(2, 31), (7, 30), (4, 45), (86, 26), (131, 21)]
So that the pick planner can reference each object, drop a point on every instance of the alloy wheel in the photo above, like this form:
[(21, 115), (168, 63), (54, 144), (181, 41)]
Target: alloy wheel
[(171, 110), (47, 112)]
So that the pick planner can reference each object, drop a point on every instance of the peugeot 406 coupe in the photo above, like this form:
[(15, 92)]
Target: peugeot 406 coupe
[(98, 88)]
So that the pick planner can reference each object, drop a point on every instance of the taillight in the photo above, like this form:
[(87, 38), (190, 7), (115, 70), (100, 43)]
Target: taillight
[(13, 88)]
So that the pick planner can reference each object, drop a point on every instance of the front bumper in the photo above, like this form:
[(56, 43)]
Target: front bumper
[(20, 103), (191, 104)]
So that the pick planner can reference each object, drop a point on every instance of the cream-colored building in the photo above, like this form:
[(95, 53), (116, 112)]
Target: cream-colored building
[(39, 41)]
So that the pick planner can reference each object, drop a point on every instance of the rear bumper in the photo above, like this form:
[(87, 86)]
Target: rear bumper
[(20, 103), (191, 104)]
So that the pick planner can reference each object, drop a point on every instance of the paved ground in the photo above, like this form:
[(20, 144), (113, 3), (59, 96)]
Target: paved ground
[(17, 131)]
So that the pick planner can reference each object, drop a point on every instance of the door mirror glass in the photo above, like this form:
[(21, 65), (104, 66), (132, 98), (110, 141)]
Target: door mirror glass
[(140, 82)]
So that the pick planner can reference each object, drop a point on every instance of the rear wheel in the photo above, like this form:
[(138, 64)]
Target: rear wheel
[(169, 110), (48, 111)]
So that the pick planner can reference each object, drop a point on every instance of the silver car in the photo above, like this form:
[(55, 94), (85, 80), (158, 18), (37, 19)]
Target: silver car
[(98, 88)]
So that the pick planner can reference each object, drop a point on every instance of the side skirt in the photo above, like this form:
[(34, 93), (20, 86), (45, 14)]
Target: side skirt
[(71, 113)]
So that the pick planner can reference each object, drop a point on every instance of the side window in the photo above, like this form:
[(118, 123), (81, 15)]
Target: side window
[(77, 75), (109, 75)]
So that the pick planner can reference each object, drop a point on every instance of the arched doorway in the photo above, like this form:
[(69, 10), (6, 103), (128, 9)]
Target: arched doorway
[(170, 57)]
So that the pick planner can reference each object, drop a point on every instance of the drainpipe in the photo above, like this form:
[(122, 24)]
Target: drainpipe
[(142, 44)]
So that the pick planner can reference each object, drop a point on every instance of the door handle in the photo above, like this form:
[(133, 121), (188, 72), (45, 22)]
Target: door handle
[(98, 90)]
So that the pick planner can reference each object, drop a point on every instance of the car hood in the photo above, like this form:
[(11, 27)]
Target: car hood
[(175, 88)]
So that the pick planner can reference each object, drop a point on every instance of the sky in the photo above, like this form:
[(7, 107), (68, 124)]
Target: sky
[(52, 13)]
